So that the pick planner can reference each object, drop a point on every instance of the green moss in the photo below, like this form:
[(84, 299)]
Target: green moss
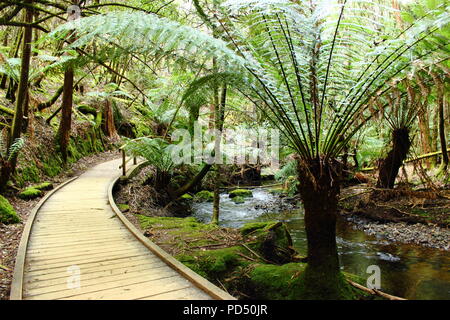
[(123, 207), (44, 186), (30, 193), (7, 213), (322, 285), (253, 226), (238, 199), (275, 282), (214, 264), (189, 226), (204, 196), (241, 193), (27, 173), (87, 109), (52, 166), (187, 196)]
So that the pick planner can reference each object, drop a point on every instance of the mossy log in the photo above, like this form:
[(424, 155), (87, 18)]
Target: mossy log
[(6, 110), (30, 193)]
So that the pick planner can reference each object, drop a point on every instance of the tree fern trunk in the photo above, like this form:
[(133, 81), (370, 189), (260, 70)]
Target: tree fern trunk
[(319, 189), (440, 115), (390, 166)]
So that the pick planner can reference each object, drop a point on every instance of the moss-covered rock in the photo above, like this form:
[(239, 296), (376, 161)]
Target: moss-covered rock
[(7, 213), (187, 196), (271, 239), (240, 193), (123, 207), (30, 193), (215, 264), (44, 186), (204, 196), (238, 199)]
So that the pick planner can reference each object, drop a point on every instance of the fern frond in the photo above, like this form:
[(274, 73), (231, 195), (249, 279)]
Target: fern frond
[(15, 148)]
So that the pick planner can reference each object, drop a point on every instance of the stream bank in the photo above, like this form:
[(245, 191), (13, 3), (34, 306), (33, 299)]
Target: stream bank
[(408, 270)]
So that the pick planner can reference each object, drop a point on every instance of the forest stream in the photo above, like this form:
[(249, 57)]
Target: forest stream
[(409, 271)]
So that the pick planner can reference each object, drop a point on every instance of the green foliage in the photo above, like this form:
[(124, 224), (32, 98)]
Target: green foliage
[(13, 150), (370, 147), (156, 151), (288, 170), (186, 196), (7, 213)]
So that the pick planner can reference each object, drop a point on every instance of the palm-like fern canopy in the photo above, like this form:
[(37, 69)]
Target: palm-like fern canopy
[(311, 67)]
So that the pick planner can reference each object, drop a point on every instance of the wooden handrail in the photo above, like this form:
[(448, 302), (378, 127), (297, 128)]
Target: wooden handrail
[(123, 166)]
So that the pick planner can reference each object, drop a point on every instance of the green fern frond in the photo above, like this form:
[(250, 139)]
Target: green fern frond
[(15, 148)]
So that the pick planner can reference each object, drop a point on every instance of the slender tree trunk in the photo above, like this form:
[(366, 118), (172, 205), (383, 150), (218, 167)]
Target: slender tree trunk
[(440, 110), (108, 126), (319, 189), (67, 103), (390, 166), (66, 114), (16, 127), (219, 113), (424, 119), (216, 198)]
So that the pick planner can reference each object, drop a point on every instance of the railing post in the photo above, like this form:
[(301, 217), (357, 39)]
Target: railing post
[(134, 160), (124, 163)]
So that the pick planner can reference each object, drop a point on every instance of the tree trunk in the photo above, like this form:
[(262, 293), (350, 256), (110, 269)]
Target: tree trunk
[(216, 198), (16, 127), (66, 113), (440, 110), (108, 126), (388, 169), (319, 190)]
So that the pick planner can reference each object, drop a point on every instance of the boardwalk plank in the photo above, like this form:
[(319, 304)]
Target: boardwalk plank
[(77, 227)]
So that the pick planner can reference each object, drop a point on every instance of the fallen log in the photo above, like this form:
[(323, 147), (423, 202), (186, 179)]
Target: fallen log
[(421, 157)]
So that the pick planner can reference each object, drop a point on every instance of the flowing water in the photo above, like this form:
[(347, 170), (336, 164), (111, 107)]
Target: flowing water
[(408, 271)]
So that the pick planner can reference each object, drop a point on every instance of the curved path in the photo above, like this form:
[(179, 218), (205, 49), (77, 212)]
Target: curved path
[(75, 246)]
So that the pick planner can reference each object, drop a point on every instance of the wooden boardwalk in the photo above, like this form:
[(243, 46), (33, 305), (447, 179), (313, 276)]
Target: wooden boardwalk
[(76, 246)]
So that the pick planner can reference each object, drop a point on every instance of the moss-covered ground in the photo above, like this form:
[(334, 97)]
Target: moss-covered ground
[(7, 213), (240, 260)]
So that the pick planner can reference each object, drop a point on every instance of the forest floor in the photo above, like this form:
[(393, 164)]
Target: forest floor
[(404, 215), (10, 234)]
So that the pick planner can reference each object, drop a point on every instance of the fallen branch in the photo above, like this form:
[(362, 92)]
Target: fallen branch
[(423, 156), (246, 257), (257, 255), (252, 187), (374, 291)]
